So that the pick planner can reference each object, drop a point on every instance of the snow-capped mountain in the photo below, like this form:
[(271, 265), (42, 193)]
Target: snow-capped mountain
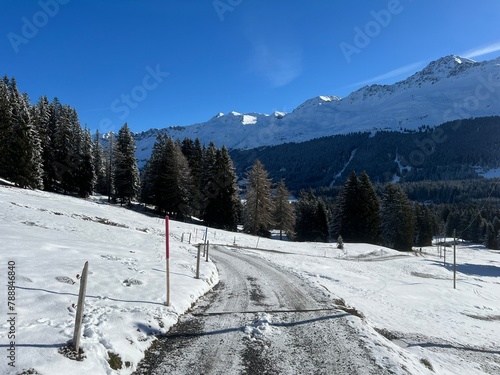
[(447, 89)]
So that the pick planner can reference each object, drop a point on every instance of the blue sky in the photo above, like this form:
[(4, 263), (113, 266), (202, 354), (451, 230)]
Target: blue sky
[(159, 63)]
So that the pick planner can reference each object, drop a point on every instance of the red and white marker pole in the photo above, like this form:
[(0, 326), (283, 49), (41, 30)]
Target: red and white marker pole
[(167, 249)]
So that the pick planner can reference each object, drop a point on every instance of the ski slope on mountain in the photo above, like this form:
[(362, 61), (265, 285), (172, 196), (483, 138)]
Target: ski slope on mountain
[(447, 89), (409, 305)]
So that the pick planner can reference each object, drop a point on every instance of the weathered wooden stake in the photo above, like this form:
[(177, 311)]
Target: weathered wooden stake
[(454, 259), (189, 238), (198, 262), (207, 245), (167, 253), (79, 309)]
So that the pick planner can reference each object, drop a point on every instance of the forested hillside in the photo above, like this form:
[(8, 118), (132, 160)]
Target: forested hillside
[(455, 150)]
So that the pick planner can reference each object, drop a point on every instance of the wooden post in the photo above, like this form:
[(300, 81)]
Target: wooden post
[(189, 238), (167, 251), (79, 309), (207, 245), (198, 262), (455, 259), (182, 237)]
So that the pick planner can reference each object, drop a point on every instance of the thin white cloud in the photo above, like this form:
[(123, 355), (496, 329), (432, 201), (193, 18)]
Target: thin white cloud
[(278, 64), (391, 74), (480, 51)]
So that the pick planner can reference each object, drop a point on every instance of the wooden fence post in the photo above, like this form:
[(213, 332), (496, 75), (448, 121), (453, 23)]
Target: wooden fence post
[(167, 256), (207, 245), (454, 259), (198, 262), (79, 309)]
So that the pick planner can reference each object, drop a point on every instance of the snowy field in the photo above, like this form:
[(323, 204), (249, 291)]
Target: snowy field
[(408, 298)]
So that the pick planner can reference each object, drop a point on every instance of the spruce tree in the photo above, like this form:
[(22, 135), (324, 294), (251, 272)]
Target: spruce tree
[(369, 212), (177, 181), (311, 218), (22, 163), (63, 165), (258, 209), (284, 213), (357, 211), (223, 204), (5, 125), (423, 225), (99, 164), (86, 177), (126, 173), (51, 165), (167, 179), (193, 152), (41, 119), (348, 220), (151, 191), (397, 218)]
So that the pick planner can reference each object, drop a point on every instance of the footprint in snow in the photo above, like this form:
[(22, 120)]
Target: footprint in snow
[(131, 281), (110, 257), (65, 279)]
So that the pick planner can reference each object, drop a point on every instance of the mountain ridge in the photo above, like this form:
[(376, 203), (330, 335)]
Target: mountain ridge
[(447, 89)]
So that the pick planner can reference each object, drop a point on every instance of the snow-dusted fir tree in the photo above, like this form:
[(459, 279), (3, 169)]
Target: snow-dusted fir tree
[(222, 200), (63, 149), (99, 165), (41, 119), (22, 156), (284, 212), (50, 163), (5, 125), (258, 209), (86, 177), (397, 218), (126, 173)]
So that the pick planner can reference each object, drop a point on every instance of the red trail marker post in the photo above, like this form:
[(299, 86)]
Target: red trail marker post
[(167, 251)]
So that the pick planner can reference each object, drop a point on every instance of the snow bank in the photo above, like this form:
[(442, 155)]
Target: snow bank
[(50, 237)]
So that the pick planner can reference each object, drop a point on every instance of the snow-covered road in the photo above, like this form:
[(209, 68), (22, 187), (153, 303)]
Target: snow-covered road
[(260, 320)]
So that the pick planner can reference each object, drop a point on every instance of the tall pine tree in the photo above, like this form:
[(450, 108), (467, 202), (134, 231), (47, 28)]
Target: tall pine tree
[(312, 218), (22, 163), (126, 173), (397, 219), (223, 204), (284, 213)]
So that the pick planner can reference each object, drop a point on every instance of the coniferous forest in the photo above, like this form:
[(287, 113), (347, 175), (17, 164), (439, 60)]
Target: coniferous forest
[(44, 146)]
